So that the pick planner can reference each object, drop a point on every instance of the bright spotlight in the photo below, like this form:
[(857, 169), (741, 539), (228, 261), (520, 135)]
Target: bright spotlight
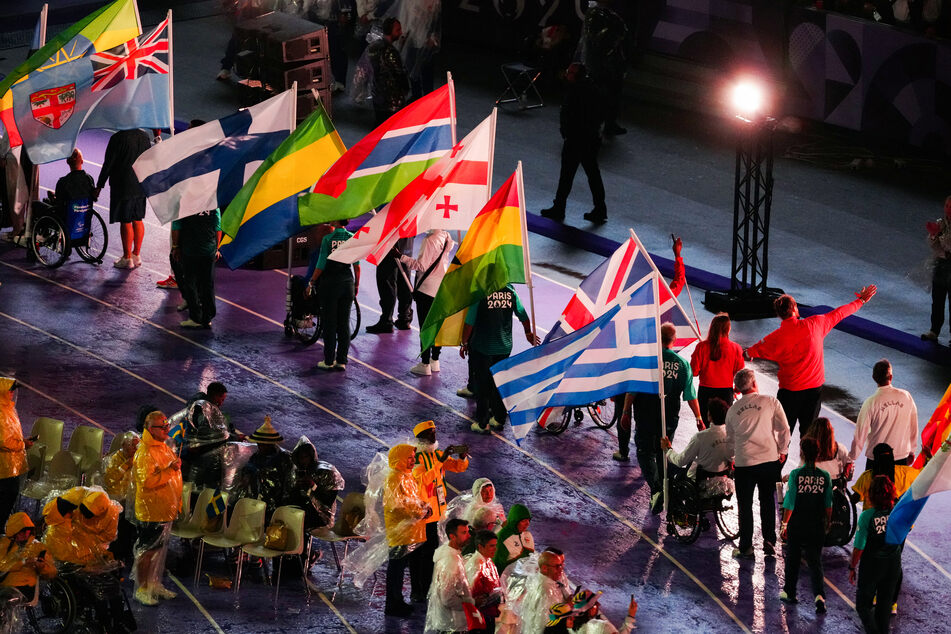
[(748, 98)]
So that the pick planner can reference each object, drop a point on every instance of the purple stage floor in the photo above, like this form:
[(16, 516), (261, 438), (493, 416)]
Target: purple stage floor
[(90, 345)]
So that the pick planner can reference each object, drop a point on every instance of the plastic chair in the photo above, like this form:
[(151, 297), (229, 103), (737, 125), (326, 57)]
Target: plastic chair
[(62, 473), (244, 526), (350, 514), (115, 445), (187, 489), (191, 524), (293, 519), (86, 443), (35, 460), (49, 431)]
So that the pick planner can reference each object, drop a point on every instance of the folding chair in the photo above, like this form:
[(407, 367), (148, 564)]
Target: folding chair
[(520, 86), (293, 519)]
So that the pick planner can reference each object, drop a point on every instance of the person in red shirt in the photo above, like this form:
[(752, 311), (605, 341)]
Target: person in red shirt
[(715, 361), (797, 346)]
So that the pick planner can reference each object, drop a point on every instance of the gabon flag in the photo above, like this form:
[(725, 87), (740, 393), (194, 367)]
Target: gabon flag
[(491, 255)]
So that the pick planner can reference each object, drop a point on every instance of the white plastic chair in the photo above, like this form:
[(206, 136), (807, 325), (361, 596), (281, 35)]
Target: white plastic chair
[(350, 514), (86, 443), (244, 526), (293, 518), (191, 525), (62, 473)]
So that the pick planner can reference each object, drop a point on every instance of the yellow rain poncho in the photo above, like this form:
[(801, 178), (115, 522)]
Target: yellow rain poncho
[(158, 481), (404, 510), (12, 447), (23, 563)]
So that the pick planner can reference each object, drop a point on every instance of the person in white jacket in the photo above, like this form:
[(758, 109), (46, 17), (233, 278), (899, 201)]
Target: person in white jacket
[(888, 416), (430, 265), (450, 587)]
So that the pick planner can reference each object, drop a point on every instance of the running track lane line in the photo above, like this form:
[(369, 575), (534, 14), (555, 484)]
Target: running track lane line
[(290, 390), (147, 382), (63, 405)]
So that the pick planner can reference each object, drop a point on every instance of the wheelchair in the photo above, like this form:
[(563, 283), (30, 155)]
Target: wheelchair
[(80, 601), (303, 313), (603, 413), (56, 233), (687, 508), (844, 515)]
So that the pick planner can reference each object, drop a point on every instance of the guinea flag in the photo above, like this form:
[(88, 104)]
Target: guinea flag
[(491, 255), (264, 211)]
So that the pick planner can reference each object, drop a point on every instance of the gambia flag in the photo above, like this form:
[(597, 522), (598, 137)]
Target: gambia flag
[(264, 211), (374, 170), (491, 255), (42, 92)]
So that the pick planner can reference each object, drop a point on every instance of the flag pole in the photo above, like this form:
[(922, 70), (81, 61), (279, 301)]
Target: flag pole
[(525, 247), (660, 378), (290, 239), (171, 82), (34, 184), (44, 14), (661, 279), (452, 106)]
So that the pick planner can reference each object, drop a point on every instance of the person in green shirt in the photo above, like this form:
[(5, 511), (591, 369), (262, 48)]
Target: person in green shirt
[(195, 241), (487, 339), (807, 515), (645, 410), (338, 290)]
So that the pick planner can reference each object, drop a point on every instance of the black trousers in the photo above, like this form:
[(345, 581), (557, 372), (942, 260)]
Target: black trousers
[(802, 544), (704, 394), (198, 289), (650, 455), (879, 574), (762, 477), (423, 303), (9, 494), (395, 575), (488, 399), (336, 300), (940, 293), (421, 568), (393, 287), (800, 405), (583, 152)]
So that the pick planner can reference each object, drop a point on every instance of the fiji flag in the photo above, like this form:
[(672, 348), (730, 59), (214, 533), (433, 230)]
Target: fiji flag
[(628, 267), (203, 168), (616, 353), (934, 478)]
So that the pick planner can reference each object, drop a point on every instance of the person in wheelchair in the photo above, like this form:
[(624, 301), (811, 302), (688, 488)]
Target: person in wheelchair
[(23, 559), (710, 451), (75, 187)]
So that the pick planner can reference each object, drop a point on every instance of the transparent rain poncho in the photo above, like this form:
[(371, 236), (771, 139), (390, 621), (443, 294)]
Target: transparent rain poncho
[(394, 514), (12, 603), (204, 434), (473, 508), (315, 485), (447, 592)]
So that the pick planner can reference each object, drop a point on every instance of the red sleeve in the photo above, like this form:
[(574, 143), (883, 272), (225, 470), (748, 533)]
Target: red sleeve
[(763, 349), (828, 321), (738, 362), (680, 277), (697, 358)]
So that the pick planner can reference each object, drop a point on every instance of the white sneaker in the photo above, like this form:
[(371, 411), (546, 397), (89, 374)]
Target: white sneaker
[(124, 263), (434, 365), (188, 323), (421, 369), (223, 75), (161, 592), (136, 260)]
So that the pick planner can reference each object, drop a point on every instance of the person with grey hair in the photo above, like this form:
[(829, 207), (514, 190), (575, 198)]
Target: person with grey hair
[(887, 416), (757, 430), (645, 409)]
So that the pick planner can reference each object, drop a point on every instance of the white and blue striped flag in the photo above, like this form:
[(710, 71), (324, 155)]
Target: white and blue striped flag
[(618, 352), (203, 168)]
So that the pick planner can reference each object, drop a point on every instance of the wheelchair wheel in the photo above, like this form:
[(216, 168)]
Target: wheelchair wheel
[(49, 243), (844, 519), (97, 241), (354, 320), (727, 517), (683, 510), (308, 329), (56, 611), (604, 413), (557, 425)]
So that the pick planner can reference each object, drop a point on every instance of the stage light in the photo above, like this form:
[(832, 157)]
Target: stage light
[(748, 98)]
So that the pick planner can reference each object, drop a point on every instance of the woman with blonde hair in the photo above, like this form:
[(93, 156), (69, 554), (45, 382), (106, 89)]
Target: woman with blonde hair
[(715, 361)]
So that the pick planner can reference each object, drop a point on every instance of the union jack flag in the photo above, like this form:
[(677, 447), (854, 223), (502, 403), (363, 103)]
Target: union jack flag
[(627, 267), (131, 60)]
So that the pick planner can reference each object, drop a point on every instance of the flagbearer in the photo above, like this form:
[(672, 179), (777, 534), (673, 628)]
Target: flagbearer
[(337, 292), (487, 338), (430, 266), (645, 408)]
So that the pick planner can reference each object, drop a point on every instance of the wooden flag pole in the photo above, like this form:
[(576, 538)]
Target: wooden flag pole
[(525, 246)]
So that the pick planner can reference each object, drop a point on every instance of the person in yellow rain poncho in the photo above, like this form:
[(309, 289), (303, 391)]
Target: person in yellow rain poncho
[(158, 499), (23, 559), (59, 513), (117, 480), (96, 524), (404, 512), (12, 448)]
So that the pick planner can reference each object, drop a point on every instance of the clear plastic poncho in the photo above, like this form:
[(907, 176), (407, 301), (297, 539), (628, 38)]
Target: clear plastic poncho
[(12, 603), (447, 592), (366, 559), (360, 87), (314, 486), (473, 508), (205, 430)]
